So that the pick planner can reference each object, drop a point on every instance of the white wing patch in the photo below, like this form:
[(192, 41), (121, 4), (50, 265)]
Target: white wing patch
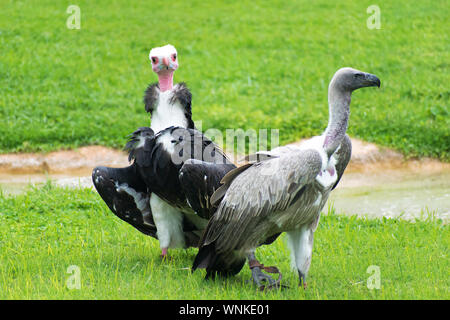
[(328, 176), (166, 140), (140, 200), (141, 142), (316, 143)]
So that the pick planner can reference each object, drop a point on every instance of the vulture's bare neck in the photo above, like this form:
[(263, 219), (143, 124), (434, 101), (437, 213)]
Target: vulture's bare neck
[(339, 112), (165, 79)]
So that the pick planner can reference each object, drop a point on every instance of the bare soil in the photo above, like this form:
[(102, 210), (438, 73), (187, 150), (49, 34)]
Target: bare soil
[(366, 157)]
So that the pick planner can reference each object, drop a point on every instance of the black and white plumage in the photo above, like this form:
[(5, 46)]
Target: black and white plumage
[(283, 191), (149, 194), (168, 186), (126, 195), (169, 108), (181, 190), (123, 189)]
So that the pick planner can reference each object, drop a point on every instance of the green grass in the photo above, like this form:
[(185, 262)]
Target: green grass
[(44, 231), (249, 65)]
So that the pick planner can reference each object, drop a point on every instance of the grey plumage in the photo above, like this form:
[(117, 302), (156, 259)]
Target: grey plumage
[(242, 212), (281, 191), (343, 155)]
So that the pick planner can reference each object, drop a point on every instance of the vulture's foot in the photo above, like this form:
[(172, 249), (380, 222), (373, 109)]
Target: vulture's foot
[(164, 256), (263, 280), (302, 280)]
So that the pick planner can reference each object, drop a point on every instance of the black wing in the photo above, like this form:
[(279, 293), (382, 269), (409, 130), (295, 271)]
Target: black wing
[(199, 180), (126, 195), (139, 147), (160, 160)]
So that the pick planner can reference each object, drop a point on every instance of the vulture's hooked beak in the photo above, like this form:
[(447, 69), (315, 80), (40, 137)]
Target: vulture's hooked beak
[(165, 62), (373, 80)]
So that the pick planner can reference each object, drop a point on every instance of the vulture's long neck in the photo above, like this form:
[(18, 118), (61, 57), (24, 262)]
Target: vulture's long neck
[(339, 111)]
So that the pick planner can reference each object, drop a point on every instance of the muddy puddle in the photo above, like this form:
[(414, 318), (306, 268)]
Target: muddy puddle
[(378, 182), (391, 194)]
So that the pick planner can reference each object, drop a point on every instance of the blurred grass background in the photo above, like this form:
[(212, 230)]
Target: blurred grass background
[(248, 64)]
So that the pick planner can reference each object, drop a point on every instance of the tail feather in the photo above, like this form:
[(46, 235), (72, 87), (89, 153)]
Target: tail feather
[(222, 264)]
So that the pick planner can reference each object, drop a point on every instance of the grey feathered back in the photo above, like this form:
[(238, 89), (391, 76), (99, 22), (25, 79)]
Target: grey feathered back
[(274, 191)]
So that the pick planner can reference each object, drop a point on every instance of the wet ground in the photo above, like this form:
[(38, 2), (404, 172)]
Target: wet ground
[(400, 193), (378, 182)]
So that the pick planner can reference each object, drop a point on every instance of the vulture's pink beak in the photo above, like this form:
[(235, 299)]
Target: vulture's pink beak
[(165, 61)]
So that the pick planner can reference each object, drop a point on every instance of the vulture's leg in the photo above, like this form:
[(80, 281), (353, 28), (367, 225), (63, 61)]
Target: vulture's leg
[(301, 244), (126, 196), (262, 280), (169, 223)]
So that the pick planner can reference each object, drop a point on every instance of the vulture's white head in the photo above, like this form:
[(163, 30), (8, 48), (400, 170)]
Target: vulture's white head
[(164, 59), (164, 62)]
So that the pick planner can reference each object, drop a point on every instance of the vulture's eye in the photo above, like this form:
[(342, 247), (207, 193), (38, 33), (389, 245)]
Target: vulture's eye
[(174, 57), (154, 59)]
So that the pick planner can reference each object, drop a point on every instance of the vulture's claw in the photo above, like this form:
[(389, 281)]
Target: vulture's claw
[(265, 281), (164, 255)]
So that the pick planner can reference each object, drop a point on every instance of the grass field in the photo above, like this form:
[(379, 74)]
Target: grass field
[(249, 65), (44, 231)]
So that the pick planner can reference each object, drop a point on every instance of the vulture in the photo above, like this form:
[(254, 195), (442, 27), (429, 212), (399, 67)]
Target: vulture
[(161, 193), (168, 105), (182, 168), (283, 190)]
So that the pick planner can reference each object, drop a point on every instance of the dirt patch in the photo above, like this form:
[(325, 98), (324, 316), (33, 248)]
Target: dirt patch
[(74, 162), (366, 157)]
